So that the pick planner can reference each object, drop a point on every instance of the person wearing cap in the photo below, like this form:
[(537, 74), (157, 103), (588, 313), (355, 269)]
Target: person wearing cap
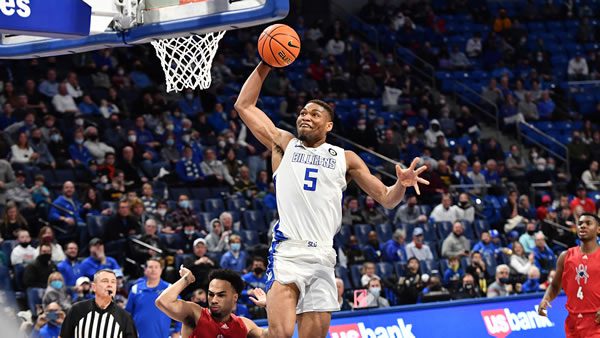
[(542, 210), (200, 265), (394, 250), (187, 169), (82, 290), (582, 199), (97, 260), (150, 320), (417, 248), (19, 193)]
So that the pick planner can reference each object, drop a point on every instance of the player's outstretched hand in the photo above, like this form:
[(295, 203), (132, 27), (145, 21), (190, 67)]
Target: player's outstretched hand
[(258, 297), (598, 317), (543, 308), (409, 177), (186, 274)]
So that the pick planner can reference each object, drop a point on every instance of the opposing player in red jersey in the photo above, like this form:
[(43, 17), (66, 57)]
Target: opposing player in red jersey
[(578, 271), (218, 320)]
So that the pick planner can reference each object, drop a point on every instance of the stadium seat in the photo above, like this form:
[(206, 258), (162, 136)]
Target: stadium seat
[(362, 231), (215, 205), (342, 273), (355, 273), (219, 192), (196, 205), (384, 232), (249, 238), (171, 241), (443, 229), (429, 266), (345, 233), (206, 217), (96, 225), (384, 270), (469, 232), (254, 220), (236, 203), (34, 298), (400, 268), (199, 193), (480, 226)]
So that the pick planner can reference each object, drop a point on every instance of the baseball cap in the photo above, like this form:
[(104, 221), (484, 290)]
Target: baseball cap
[(82, 280), (200, 240), (546, 199), (494, 233), (95, 241), (20, 173), (418, 231)]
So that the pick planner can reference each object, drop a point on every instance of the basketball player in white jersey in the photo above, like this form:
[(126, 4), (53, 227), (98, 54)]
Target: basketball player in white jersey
[(310, 176)]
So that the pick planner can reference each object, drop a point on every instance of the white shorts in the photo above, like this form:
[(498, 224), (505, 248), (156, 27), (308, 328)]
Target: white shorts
[(311, 267)]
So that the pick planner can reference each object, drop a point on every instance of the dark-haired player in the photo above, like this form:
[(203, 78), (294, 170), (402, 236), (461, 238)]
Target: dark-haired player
[(310, 176), (578, 272), (218, 319)]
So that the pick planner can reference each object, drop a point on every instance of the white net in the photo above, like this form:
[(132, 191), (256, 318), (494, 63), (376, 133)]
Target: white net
[(187, 60)]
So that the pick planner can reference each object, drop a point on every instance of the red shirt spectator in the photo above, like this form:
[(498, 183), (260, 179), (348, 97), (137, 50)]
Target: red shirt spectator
[(582, 199)]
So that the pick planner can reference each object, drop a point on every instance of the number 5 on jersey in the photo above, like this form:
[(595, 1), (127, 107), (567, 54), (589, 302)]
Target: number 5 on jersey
[(311, 181)]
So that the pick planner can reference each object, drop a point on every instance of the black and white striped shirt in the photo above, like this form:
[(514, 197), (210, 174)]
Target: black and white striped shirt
[(87, 320)]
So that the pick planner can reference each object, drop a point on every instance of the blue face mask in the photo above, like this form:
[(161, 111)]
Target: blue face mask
[(57, 284), (170, 142), (236, 247), (184, 204)]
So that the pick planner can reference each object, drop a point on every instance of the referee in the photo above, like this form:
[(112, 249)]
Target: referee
[(99, 317)]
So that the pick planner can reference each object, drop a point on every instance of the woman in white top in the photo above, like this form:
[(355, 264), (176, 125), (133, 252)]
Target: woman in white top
[(21, 151), (519, 262), (46, 235)]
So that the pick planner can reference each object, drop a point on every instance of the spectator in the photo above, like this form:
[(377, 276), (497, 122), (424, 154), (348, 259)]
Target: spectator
[(187, 170), (458, 59), (183, 215), (48, 323), (546, 106), (432, 134), (528, 108), (453, 274), (7, 178), (375, 299), (87, 107), (20, 194), (352, 213), (532, 284), (417, 248), (200, 265), (590, 177), (411, 284), (92, 204), (501, 286), (544, 258), (21, 151), (344, 304), (244, 184), (82, 290), (63, 102), (578, 68), (502, 23), (187, 237), (409, 212), (520, 262), (256, 277), (69, 267), (582, 200), (368, 273), (477, 177), (39, 146), (214, 170), (79, 153), (394, 249), (527, 239), (97, 260), (372, 213), (235, 259), (365, 83), (190, 104), (149, 319), (478, 269), (372, 249), (37, 272), (150, 237), (121, 225), (353, 252), (465, 211), (46, 235), (456, 244), (49, 87), (474, 47), (169, 151), (226, 219), (216, 240), (56, 292), (40, 193), (485, 245), (469, 288), (97, 148), (23, 253), (445, 211), (12, 222)]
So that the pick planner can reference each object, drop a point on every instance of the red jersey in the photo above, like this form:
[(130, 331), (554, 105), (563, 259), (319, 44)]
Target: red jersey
[(581, 281), (208, 327)]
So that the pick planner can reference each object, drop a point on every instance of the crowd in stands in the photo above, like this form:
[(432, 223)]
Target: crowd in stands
[(109, 171)]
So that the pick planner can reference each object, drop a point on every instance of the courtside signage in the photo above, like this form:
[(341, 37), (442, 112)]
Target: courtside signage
[(49, 18)]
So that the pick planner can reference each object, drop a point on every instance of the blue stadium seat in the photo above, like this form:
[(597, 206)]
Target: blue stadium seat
[(7, 247), (480, 226), (469, 232), (34, 297), (443, 229), (174, 193), (355, 274), (171, 241), (249, 238), (96, 225), (63, 175), (384, 232), (236, 203), (428, 266), (342, 273), (219, 192), (361, 231), (345, 233), (254, 220), (215, 205), (490, 262), (200, 193), (206, 217), (196, 205), (384, 270), (435, 247), (400, 268)]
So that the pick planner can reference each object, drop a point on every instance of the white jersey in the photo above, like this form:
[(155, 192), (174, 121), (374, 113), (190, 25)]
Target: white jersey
[(309, 184)]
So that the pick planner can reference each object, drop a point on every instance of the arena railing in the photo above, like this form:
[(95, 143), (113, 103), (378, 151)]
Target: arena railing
[(523, 134)]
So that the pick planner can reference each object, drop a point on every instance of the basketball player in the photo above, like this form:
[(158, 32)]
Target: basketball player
[(578, 272), (218, 320), (310, 176)]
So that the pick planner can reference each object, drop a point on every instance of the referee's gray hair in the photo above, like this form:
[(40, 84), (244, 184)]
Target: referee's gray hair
[(103, 270)]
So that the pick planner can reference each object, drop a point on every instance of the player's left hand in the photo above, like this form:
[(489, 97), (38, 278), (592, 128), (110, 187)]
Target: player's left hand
[(258, 297), (598, 317), (409, 177)]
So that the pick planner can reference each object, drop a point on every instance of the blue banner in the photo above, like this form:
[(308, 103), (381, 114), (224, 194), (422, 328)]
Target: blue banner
[(50, 18), (499, 318)]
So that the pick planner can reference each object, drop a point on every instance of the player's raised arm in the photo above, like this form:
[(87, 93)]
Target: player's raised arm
[(554, 287), (388, 197), (259, 123), (178, 309)]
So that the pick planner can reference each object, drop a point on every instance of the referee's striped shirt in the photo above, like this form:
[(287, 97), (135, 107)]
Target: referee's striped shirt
[(87, 320)]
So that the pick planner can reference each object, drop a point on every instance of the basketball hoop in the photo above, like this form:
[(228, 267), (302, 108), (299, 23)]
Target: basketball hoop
[(187, 60)]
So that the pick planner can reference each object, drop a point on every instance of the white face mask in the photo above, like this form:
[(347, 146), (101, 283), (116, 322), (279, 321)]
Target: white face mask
[(186, 138), (375, 291), (132, 138), (361, 127), (162, 212)]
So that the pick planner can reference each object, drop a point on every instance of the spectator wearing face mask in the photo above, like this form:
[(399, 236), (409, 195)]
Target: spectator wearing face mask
[(409, 212), (97, 148), (255, 278), (528, 238), (432, 134), (48, 324), (37, 272), (532, 284), (501, 287), (375, 291), (185, 242), (469, 288), (184, 214), (465, 211), (478, 270), (80, 154), (373, 249), (372, 213), (23, 253), (235, 259), (161, 217), (56, 291), (417, 248), (214, 169), (410, 285)]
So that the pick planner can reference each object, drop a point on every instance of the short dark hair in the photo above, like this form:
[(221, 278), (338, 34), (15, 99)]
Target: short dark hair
[(325, 106), (591, 215), (230, 276), (259, 259)]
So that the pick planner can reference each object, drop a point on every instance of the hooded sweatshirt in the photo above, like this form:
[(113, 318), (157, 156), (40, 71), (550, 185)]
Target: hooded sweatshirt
[(214, 242)]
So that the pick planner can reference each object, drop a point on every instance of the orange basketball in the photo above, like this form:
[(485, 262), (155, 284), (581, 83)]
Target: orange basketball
[(279, 45)]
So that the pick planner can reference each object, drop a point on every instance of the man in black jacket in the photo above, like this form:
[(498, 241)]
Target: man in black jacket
[(121, 225), (100, 316), (37, 272)]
